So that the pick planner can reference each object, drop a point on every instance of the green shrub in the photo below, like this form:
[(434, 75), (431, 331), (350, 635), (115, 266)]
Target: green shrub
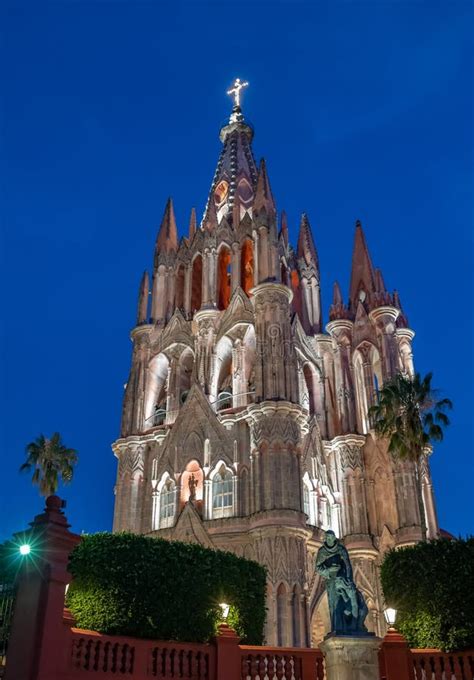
[(431, 584), (126, 584)]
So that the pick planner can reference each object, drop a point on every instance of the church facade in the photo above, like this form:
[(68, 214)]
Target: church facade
[(244, 423)]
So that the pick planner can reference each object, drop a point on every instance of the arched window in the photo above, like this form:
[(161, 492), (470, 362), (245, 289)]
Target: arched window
[(167, 504), (196, 285), (223, 278), (222, 493), (309, 508), (295, 617), (247, 266), (180, 288), (281, 606)]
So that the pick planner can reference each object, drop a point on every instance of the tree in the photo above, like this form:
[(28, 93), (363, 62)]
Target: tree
[(430, 586), (411, 417), (50, 461)]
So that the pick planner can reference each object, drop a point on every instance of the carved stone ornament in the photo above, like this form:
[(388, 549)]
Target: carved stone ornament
[(351, 457), (275, 427)]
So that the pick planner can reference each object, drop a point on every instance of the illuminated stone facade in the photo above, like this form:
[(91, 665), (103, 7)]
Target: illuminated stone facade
[(244, 422)]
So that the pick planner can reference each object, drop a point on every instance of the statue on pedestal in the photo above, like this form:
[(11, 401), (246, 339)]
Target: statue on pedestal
[(347, 606)]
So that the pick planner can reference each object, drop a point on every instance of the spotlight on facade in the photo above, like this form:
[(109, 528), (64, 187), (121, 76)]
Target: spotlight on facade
[(25, 549), (225, 610), (390, 616)]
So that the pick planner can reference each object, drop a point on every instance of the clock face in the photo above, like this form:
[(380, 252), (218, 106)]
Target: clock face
[(220, 192)]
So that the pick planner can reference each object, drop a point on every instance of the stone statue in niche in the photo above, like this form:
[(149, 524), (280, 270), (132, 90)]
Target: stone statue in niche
[(192, 487), (347, 606)]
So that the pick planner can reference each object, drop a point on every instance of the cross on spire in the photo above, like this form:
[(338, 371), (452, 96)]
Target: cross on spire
[(235, 91)]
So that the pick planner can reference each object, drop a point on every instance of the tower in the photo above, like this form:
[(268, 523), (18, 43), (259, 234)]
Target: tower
[(244, 423)]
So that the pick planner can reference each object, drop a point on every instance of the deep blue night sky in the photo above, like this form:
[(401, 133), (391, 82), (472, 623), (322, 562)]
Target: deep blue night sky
[(363, 110)]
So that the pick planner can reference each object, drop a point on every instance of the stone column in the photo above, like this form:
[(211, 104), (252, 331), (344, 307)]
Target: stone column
[(235, 272), (341, 332), (239, 382), (384, 320)]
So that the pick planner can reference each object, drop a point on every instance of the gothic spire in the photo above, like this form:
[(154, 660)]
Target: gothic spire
[(263, 193), (192, 224), (362, 275), (306, 249), (142, 314), (236, 172), (167, 239)]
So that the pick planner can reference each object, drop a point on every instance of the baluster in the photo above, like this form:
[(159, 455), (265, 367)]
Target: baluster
[(194, 666), (438, 667), (87, 655), (167, 658), (271, 667), (105, 657), (114, 660), (153, 664), (279, 666), (320, 668), (289, 667), (457, 668), (76, 653), (253, 666), (131, 659), (243, 667), (468, 665), (261, 667), (96, 655), (417, 668)]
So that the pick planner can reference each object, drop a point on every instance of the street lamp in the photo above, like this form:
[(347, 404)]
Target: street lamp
[(225, 610), (390, 616), (25, 549)]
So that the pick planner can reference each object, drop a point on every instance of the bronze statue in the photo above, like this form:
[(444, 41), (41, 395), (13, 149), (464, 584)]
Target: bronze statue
[(192, 487), (347, 606)]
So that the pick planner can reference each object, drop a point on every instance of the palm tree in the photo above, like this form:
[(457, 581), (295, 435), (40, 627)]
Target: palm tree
[(50, 461), (411, 417)]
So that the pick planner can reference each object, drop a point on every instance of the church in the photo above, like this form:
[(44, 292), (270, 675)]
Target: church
[(244, 423)]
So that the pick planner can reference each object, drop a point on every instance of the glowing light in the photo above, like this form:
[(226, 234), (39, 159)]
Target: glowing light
[(25, 549), (235, 91), (225, 610), (390, 615)]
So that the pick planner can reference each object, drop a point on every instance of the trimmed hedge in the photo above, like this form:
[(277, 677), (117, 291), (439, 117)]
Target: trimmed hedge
[(126, 584), (431, 584)]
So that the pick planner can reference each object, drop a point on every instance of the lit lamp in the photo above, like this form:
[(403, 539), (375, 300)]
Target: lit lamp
[(225, 610), (390, 616), (25, 549)]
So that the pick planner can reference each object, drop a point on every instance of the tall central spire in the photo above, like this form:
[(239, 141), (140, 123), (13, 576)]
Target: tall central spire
[(235, 178)]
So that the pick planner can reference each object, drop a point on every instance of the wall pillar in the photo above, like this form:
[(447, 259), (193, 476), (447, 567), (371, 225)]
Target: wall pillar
[(37, 647)]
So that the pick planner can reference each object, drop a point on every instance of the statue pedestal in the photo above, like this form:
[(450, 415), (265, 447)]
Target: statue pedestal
[(351, 658)]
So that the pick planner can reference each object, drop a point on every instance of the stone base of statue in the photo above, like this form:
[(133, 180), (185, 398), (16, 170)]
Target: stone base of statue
[(350, 657)]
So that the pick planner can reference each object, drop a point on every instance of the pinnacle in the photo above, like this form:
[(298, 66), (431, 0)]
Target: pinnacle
[(306, 248), (284, 227), (211, 222), (337, 295), (192, 224), (263, 193), (167, 238)]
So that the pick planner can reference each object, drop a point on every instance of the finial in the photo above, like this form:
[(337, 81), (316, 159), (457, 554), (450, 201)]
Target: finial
[(235, 91)]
